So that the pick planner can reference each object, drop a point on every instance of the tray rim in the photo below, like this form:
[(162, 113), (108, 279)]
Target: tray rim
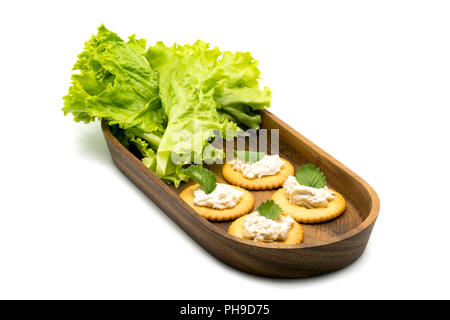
[(366, 223)]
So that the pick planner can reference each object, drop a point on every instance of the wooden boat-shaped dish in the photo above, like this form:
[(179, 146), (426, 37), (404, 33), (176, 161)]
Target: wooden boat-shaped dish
[(327, 246)]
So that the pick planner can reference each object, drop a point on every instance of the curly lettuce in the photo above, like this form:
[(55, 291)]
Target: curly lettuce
[(115, 82), (203, 90), (166, 102)]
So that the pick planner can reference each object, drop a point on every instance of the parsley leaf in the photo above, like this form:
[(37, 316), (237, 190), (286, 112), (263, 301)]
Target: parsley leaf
[(205, 178), (269, 209), (310, 176), (249, 156)]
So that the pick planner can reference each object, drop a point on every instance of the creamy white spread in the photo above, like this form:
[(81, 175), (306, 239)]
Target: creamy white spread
[(307, 196), (267, 166), (260, 228), (224, 196)]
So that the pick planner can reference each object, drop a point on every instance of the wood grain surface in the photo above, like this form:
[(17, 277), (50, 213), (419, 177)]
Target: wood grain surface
[(327, 246)]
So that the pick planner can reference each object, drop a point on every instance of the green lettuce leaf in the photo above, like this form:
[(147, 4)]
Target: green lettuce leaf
[(241, 85), (115, 82), (148, 154), (241, 114), (203, 91), (168, 102), (252, 97), (128, 138), (188, 75)]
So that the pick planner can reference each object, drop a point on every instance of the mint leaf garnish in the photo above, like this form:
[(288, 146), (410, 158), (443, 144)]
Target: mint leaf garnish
[(269, 209), (205, 178), (310, 176)]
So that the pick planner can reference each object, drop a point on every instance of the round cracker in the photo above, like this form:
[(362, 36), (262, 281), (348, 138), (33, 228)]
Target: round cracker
[(314, 215), (243, 207), (294, 235), (264, 183)]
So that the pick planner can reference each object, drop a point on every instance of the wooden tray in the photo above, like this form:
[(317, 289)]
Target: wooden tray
[(327, 246)]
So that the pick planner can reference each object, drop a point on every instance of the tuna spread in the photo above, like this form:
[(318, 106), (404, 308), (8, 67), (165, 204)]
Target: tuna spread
[(224, 196), (267, 166), (306, 196), (260, 228)]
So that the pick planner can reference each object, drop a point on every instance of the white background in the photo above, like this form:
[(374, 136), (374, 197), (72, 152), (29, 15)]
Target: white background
[(368, 81)]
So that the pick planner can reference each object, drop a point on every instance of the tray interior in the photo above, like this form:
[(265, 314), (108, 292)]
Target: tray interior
[(299, 150), (313, 233)]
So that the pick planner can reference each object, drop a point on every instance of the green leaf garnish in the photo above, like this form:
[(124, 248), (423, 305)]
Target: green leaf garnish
[(310, 176), (249, 156), (269, 209), (205, 178)]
